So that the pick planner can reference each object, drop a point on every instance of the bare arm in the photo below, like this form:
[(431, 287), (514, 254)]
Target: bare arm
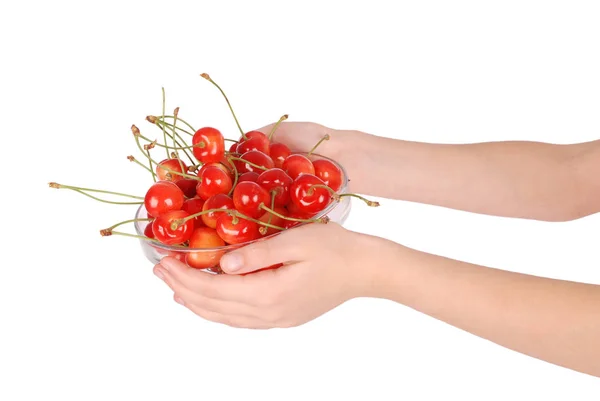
[(512, 179)]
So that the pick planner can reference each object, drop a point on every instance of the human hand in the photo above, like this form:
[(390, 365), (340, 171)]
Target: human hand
[(325, 265)]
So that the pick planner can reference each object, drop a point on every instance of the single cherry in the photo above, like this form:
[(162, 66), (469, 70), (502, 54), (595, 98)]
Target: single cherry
[(193, 206), (211, 145), (255, 157), (164, 232), (258, 142), (296, 165), (306, 198), (220, 201), (188, 186), (249, 176), (173, 168), (163, 196), (233, 148), (248, 196), (279, 152), (276, 180), (213, 181), (329, 173), (204, 238), (236, 230), (148, 231)]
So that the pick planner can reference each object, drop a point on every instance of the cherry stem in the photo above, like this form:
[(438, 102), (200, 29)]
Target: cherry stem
[(246, 161), (337, 196), (281, 119), (183, 146), (323, 219), (325, 138), (231, 140), (125, 222), (133, 159), (208, 78), (176, 113), (163, 119), (235, 176), (136, 134), (108, 233), (175, 224), (262, 223), (150, 163), (82, 191), (155, 120)]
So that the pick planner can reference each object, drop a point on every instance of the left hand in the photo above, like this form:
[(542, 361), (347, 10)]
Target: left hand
[(324, 266)]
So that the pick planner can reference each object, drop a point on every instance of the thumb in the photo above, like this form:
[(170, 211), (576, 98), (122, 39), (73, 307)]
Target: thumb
[(282, 248)]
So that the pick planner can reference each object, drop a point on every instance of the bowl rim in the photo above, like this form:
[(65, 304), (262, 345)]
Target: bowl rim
[(228, 247)]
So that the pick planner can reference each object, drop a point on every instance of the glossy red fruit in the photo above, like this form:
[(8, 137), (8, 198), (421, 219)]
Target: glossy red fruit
[(163, 196), (248, 196), (255, 143), (236, 230), (172, 170), (255, 157), (161, 227), (220, 201), (213, 181), (305, 197), (279, 152), (295, 215), (193, 206), (296, 165), (275, 220), (277, 181), (249, 176), (220, 165), (329, 173), (148, 231), (204, 238), (293, 209), (211, 143), (188, 186), (233, 148)]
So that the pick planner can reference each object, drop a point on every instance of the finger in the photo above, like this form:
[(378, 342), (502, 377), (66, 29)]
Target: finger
[(244, 289), (190, 297), (243, 322), (284, 248)]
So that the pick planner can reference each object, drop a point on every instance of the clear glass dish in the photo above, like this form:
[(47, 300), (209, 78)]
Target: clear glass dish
[(337, 211)]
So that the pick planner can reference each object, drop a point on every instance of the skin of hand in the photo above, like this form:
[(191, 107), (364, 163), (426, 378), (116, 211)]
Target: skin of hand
[(314, 279)]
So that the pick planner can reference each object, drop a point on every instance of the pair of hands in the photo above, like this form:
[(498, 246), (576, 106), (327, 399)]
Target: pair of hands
[(323, 264)]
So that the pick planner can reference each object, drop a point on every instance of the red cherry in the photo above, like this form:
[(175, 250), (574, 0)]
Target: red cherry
[(249, 176), (296, 164), (220, 165), (162, 197), (161, 227), (329, 173), (276, 180), (220, 201), (260, 143), (193, 206), (233, 148), (236, 230), (211, 145), (275, 220), (148, 231), (174, 170), (254, 157), (307, 198), (188, 186), (248, 196), (203, 238), (213, 181), (293, 210), (279, 152), (290, 223)]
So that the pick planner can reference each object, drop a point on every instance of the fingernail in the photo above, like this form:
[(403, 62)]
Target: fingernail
[(232, 262), (179, 301), (158, 273)]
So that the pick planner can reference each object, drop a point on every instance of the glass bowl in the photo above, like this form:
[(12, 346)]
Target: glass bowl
[(337, 211)]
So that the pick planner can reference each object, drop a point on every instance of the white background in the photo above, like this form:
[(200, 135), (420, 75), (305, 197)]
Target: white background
[(83, 318)]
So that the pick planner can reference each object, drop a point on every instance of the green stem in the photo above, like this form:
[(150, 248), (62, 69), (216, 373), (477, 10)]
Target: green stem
[(262, 223), (337, 196), (246, 161), (208, 78), (137, 141), (235, 176), (126, 222), (133, 159), (163, 120), (105, 233), (150, 163), (184, 122), (273, 194), (317, 220), (179, 147), (231, 140), (325, 138), (104, 200), (283, 117), (60, 186), (176, 113)]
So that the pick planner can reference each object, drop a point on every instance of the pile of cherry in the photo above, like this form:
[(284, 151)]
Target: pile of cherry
[(256, 188)]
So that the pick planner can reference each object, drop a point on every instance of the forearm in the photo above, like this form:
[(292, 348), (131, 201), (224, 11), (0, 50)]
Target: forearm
[(556, 321), (512, 179)]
